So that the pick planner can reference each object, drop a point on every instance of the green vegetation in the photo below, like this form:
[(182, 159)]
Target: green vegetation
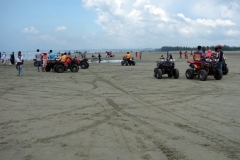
[(180, 48)]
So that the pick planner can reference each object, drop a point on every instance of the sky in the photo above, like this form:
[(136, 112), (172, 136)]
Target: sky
[(27, 25)]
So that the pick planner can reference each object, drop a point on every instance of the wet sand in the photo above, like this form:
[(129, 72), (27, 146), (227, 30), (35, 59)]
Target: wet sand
[(112, 112)]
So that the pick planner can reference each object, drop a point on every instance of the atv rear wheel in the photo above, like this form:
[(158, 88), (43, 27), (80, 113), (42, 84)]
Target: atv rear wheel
[(133, 63), (48, 68), (83, 65), (175, 73), (202, 75), (87, 65), (189, 74), (59, 68), (159, 74), (225, 71), (218, 74), (155, 72)]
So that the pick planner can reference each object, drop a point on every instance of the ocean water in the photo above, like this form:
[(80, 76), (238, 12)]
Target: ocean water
[(31, 55)]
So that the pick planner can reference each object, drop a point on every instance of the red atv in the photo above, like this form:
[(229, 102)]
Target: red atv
[(60, 67), (203, 69)]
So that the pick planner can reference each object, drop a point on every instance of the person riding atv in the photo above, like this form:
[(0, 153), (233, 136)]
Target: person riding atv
[(166, 66), (128, 60)]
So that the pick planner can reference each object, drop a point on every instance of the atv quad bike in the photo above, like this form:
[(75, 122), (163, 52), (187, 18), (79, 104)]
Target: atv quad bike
[(127, 62), (166, 66), (203, 69), (60, 67), (83, 63)]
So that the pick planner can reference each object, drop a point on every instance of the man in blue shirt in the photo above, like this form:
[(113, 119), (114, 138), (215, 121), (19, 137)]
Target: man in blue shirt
[(52, 55)]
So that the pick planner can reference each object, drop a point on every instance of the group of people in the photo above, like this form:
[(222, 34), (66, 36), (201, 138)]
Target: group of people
[(42, 58), (4, 59), (201, 55)]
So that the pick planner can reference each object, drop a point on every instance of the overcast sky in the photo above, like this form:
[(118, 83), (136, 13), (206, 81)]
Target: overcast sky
[(97, 24)]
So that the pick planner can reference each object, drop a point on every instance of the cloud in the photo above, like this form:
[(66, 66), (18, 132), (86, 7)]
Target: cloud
[(60, 28), (140, 22), (46, 38), (30, 30), (233, 32)]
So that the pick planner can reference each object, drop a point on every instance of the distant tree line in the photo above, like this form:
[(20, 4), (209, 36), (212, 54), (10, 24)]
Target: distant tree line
[(183, 48)]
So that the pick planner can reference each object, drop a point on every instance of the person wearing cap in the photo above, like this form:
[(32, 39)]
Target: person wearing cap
[(38, 57), (220, 57), (19, 64)]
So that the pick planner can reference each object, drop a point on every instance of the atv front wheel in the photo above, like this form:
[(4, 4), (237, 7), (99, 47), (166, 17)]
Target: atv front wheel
[(133, 63), (155, 72), (159, 74), (122, 63), (202, 75), (175, 73)]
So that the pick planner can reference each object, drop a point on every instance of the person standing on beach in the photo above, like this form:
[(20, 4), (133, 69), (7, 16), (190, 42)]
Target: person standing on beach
[(180, 54), (44, 58), (12, 59), (191, 54), (52, 55), (136, 54), (220, 57), (140, 55), (3, 59), (38, 57), (99, 57), (19, 64)]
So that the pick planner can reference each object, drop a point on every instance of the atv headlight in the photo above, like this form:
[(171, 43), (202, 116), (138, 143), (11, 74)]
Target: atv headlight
[(225, 58)]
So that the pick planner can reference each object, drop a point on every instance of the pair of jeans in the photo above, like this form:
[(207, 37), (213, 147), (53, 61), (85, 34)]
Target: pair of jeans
[(39, 64), (220, 65), (20, 70)]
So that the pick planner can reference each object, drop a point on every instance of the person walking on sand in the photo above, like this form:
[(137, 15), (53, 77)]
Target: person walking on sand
[(38, 57), (19, 64), (136, 54), (191, 54), (140, 55)]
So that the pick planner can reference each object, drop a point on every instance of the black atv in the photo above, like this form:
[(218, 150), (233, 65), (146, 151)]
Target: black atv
[(127, 62), (60, 67), (166, 66), (83, 63)]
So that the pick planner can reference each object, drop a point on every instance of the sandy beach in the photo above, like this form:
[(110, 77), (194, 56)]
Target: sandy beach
[(110, 112)]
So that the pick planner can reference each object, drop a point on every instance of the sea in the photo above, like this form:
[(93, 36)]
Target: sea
[(30, 55)]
